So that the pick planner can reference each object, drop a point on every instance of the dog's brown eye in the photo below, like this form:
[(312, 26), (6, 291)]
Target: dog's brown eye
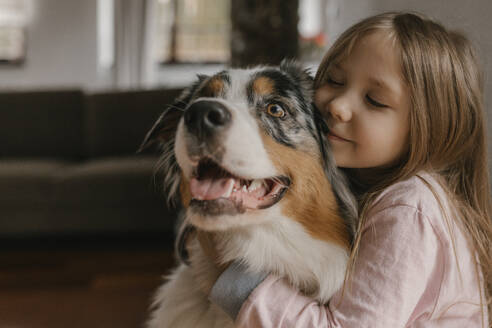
[(275, 110)]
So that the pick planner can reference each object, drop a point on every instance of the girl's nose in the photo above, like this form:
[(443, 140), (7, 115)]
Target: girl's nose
[(340, 108)]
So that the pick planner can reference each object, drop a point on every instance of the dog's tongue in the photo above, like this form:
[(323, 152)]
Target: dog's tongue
[(229, 188), (210, 188)]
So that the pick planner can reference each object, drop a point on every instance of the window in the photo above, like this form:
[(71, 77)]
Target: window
[(312, 30), (105, 34), (192, 31), (13, 18), (198, 31)]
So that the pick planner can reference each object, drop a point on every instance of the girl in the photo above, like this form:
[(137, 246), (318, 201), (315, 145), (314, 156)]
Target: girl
[(402, 97)]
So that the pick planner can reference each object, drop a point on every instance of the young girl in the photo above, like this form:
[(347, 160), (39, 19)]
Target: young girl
[(402, 97)]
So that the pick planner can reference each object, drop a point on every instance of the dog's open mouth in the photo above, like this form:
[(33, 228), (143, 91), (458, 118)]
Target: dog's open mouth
[(213, 184)]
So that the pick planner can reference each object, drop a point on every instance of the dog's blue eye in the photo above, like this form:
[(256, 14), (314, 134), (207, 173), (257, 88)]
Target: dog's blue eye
[(275, 110)]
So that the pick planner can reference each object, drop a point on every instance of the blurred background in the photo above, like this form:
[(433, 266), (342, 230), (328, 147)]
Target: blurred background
[(85, 234), (101, 44)]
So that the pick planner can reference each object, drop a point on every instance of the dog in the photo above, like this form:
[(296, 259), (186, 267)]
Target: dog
[(245, 156)]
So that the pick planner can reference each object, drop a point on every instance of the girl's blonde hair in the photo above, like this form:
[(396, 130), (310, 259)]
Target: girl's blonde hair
[(447, 125)]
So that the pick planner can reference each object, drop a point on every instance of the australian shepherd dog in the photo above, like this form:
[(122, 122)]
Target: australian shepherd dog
[(245, 155)]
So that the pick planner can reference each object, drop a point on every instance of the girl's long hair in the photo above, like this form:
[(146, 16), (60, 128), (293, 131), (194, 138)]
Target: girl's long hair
[(447, 124)]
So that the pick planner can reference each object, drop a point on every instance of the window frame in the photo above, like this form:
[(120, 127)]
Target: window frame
[(173, 61)]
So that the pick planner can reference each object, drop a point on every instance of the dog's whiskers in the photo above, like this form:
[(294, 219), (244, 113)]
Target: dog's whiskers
[(176, 107), (279, 181)]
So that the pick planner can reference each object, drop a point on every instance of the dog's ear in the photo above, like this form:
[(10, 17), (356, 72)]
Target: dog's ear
[(164, 129), (302, 75), (295, 69)]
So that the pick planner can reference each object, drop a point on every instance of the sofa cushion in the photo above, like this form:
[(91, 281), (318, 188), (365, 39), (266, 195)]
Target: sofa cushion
[(116, 122), (108, 182), (28, 182), (113, 195), (41, 124)]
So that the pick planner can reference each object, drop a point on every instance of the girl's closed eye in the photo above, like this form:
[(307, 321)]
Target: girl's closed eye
[(334, 81), (375, 103)]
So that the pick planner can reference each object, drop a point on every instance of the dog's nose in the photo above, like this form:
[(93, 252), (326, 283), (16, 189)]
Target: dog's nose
[(205, 117)]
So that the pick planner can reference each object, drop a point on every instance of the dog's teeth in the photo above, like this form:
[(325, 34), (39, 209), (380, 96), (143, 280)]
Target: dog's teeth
[(244, 188), (255, 185), (229, 189)]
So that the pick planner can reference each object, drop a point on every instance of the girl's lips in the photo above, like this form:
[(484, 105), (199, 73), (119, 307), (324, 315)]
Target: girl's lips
[(333, 136)]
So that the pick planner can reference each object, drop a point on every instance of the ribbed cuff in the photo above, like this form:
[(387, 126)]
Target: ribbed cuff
[(233, 287)]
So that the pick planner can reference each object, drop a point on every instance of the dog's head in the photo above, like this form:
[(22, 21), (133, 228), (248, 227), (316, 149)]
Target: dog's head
[(242, 146)]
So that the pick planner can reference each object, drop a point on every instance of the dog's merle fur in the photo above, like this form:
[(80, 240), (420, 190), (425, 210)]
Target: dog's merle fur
[(291, 82), (302, 124)]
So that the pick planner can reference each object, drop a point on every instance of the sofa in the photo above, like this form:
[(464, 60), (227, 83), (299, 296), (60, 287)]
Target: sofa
[(68, 163)]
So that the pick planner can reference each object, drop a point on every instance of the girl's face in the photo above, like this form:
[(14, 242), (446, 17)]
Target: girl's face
[(366, 105)]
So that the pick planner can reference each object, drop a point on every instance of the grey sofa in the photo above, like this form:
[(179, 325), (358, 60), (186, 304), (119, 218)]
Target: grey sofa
[(68, 163)]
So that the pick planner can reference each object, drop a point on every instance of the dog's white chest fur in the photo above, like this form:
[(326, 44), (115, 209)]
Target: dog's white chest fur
[(281, 246), (180, 303)]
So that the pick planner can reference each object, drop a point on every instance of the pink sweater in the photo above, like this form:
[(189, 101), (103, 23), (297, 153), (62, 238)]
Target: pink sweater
[(408, 274)]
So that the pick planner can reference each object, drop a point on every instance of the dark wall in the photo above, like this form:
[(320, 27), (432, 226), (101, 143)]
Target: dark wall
[(263, 31)]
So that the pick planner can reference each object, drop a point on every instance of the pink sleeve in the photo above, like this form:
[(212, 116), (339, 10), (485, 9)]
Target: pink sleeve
[(396, 279)]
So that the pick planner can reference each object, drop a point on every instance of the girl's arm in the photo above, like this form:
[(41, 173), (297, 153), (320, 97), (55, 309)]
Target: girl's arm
[(396, 279)]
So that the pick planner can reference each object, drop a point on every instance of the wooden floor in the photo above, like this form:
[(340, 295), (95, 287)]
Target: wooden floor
[(87, 286)]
